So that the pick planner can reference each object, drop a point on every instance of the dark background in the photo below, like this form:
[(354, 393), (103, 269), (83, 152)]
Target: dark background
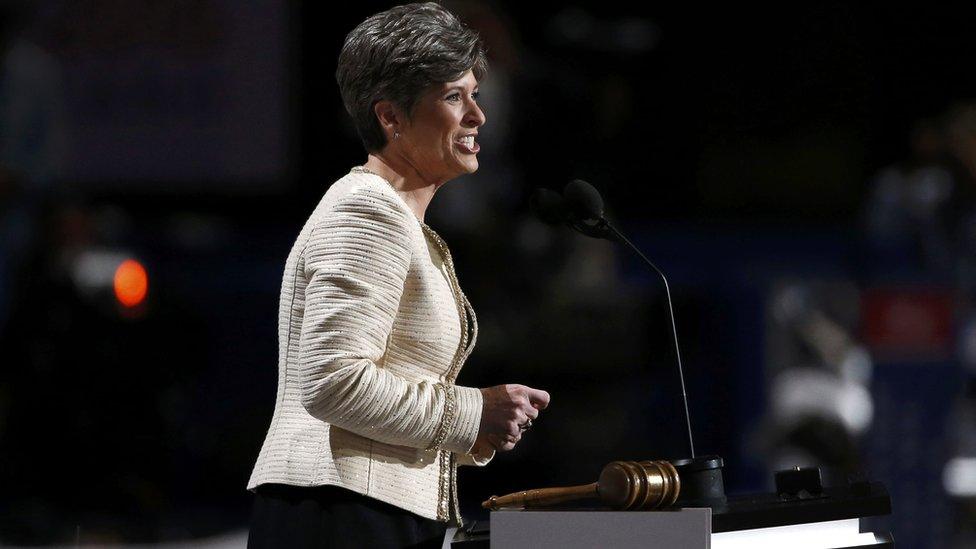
[(739, 148)]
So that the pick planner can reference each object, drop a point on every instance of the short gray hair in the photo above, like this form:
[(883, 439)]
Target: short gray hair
[(398, 55)]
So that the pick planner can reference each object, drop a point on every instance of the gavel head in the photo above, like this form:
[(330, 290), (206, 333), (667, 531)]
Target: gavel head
[(639, 484)]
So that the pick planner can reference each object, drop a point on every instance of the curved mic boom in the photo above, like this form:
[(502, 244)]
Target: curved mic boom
[(581, 207)]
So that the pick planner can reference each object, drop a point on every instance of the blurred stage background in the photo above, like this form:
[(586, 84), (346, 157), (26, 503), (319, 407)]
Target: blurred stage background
[(805, 176)]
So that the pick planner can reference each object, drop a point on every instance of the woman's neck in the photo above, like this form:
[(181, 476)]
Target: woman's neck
[(405, 180)]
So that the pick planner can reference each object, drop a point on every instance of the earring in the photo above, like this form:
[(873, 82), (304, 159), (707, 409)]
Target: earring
[(396, 134)]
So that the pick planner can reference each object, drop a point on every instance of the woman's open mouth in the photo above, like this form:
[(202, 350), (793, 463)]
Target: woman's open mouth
[(468, 145)]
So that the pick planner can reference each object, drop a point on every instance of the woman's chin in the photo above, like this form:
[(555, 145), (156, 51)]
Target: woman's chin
[(465, 168), (470, 165)]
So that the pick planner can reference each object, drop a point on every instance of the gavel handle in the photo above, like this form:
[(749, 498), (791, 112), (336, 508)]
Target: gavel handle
[(541, 497)]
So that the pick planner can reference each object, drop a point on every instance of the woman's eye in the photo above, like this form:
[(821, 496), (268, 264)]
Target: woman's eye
[(475, 95), (454, 97)]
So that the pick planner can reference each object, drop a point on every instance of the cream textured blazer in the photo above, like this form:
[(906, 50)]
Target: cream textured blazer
[(373, 329)]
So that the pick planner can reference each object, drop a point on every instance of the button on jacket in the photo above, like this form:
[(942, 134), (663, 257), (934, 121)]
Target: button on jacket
[(370, 342)]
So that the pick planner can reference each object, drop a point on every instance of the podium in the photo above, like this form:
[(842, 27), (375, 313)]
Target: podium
[(677, 529), (830, 520)]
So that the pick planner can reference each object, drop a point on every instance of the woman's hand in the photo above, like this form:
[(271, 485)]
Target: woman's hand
[(506, 409)]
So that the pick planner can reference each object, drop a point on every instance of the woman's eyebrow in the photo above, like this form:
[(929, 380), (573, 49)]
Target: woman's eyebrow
[(460, 89)]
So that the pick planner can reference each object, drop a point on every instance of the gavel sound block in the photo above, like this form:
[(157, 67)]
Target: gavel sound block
[(623, 485)]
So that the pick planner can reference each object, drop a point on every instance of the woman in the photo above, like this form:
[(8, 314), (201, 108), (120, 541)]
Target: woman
[(369, 426)]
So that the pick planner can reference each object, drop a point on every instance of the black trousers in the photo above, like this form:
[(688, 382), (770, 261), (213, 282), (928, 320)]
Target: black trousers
[(286, 517)]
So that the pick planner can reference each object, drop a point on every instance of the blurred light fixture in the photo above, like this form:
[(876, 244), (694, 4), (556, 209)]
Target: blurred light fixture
[(959, 477), (131, 283), (111, 280), (798, 393)]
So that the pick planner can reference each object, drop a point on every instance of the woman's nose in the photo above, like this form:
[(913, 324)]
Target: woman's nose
[(475, 116)]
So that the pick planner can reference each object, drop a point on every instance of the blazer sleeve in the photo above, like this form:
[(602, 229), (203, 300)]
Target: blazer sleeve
[(479, 459), (356, 264)]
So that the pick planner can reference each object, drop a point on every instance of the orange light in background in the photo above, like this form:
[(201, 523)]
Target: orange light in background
[(131, 283)]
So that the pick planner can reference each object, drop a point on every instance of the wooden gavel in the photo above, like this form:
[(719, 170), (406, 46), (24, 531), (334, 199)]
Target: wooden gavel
[(622, 485)]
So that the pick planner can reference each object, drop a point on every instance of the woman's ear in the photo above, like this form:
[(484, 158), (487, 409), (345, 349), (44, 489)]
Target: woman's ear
[(389, 118)]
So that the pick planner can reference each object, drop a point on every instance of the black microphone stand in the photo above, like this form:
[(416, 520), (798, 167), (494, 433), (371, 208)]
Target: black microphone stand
[(674, 331), (701, 476)]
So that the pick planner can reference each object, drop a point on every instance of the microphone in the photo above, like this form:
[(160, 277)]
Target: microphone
[(583, 200), (581, 207)]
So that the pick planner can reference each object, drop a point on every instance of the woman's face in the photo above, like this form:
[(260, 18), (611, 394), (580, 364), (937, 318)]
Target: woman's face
[(440, 138)]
